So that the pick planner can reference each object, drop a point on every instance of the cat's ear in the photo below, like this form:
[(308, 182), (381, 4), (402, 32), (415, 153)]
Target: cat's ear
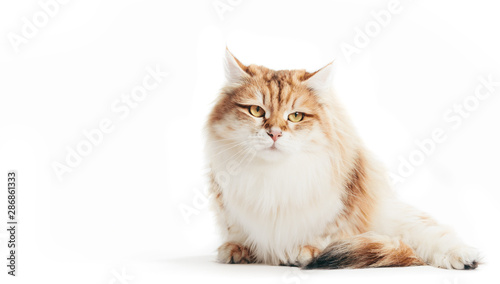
[(235, 70), (321, 79)]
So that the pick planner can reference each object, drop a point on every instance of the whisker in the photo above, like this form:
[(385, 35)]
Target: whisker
[(236, 154), (238, 144), (223, 145)]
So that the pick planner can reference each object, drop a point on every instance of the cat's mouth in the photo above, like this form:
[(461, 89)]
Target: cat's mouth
[(273, 147), (272, 153)]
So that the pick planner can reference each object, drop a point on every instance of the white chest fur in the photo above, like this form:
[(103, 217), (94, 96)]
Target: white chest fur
[(281, 205)]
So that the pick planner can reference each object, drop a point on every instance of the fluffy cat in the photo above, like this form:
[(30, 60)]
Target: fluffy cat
[(292, 184)]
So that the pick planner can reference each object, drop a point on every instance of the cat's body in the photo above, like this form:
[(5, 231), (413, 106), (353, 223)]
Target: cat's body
[(292, 184)]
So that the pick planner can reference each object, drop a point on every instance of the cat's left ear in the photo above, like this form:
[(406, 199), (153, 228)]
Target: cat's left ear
[(321, 79), (235, 70)]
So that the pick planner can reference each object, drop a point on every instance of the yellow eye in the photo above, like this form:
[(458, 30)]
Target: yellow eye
[(296, 116), (256, 111)]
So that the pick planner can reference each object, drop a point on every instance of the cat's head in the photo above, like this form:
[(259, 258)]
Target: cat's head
[(274, 114)]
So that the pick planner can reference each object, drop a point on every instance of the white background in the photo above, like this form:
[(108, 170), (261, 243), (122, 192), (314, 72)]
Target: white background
[(118, 211)]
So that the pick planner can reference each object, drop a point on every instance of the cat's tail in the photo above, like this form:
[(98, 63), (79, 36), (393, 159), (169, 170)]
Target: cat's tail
[(363, 251)]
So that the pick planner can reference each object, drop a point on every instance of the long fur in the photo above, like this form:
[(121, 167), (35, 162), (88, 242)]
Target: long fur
[(315, 198), (366, 250)]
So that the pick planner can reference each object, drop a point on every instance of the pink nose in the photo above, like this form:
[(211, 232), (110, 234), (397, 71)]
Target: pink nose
[(275, 134)]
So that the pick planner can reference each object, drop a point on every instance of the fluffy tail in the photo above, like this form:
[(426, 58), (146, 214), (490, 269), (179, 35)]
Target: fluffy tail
[(363, 251)]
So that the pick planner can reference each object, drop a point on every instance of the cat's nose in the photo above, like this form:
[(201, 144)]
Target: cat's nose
[(275, 134)]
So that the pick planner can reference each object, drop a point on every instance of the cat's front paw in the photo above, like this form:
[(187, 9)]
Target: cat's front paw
[(233, 253), (463, 257), (305, 256)]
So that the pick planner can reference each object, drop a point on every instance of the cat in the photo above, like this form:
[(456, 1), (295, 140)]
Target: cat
[(292, 184)]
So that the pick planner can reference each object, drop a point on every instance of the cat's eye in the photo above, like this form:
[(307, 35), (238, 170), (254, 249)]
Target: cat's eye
[(296, 116), (256, 111)]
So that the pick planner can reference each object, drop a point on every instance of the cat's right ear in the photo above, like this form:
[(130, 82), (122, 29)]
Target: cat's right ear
[(235, 70)]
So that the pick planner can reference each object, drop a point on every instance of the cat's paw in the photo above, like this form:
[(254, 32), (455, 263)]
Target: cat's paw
[(306, 255), (233, 253), (463, 257)]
